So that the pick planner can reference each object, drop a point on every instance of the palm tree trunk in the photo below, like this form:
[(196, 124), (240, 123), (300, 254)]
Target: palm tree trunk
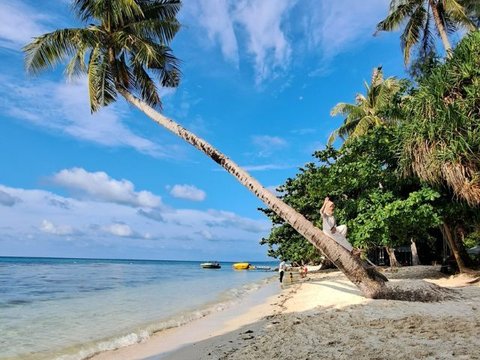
[(415, 258), (440, 28), (369, 281), (391, 255), (458, 250)]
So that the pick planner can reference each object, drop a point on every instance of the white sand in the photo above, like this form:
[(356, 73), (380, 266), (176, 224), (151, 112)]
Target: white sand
[(325, 316)]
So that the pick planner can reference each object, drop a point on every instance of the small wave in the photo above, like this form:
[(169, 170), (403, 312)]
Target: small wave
[(226, 299)]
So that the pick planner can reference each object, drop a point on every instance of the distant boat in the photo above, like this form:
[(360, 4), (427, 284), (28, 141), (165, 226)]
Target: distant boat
[(210, 265), (241, 266), (261, 267)]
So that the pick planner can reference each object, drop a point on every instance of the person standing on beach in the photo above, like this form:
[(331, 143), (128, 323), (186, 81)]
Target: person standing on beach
[(330, 228), (281, 270)]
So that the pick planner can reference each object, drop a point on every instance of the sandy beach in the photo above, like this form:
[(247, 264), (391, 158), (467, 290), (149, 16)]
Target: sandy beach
[(324, 315)]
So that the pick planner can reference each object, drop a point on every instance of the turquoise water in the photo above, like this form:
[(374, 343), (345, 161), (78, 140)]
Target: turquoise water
[(73, 308)]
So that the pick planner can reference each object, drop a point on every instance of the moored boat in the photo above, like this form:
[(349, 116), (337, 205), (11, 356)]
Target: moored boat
[(211, 265), (241, 266)]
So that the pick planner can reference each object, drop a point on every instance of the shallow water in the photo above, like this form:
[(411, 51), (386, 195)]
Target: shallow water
[(73, 308)]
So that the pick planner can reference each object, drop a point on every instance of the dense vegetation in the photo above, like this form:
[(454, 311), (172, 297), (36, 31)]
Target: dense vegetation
[(408, 170)]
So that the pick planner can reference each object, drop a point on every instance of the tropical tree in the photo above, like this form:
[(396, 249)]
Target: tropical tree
[(380, 207), (375, 108), (417, 15), (441, 140), (124, 42), (442, 137)]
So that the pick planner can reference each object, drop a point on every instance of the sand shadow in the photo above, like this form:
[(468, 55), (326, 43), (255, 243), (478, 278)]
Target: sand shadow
[(348, 290)]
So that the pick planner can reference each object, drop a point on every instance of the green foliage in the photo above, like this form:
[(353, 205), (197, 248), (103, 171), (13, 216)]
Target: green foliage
[(472, 239), (418, 22), (441, 137), (388, 220), (375, 108), (379, 207), (124, 45)]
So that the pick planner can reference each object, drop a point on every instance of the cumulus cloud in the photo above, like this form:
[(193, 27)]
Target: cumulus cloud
[(6, 199), (61, 230), (99, 186), (154, 214), (188, 192), (122, 230), (91, 228), (231, 220)]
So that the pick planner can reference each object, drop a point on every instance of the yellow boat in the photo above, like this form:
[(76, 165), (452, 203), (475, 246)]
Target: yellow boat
[(241, 266)]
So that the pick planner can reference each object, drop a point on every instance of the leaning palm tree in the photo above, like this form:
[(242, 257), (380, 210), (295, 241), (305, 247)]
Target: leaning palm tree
[(126, 43), (417, 15), (369, 110)]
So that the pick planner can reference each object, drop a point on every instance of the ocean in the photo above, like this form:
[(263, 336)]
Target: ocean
[(70, 309)]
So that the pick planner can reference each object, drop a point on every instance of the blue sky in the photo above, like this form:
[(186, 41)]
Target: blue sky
[(259, 80)]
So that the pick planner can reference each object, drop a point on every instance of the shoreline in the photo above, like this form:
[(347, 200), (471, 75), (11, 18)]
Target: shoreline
[(325, 315), (248, 310)]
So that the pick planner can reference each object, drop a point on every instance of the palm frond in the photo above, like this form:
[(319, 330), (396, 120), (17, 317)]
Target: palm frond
[(162, 31), (399, 12), (146, 86), (427, 45), (77, 65), (160, 9), (49, 49), (112, 13), (411, 33), (342, 109), (101, 83), (457, 12)]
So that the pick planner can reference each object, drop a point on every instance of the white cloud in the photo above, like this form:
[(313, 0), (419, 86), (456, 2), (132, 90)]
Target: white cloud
[(49, 228), (336, 26), (189, 192), (100, 186), (90, 228), (68, 112), (246, 24), (122, 230), (6, 199), (267, 144), (228, 219), (214, 16), (267, 43), (19, 24)]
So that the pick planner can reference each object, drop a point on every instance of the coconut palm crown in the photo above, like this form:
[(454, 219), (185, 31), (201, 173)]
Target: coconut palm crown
[(369, 110), (421, 18), (124, 45)]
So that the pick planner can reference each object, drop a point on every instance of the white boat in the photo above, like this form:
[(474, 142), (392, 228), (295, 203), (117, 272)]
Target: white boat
[(211, 265)]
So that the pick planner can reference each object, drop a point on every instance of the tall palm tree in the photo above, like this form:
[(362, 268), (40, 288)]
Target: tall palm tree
[(417, 15), (127, 40), (370, 110), (441, 140)]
